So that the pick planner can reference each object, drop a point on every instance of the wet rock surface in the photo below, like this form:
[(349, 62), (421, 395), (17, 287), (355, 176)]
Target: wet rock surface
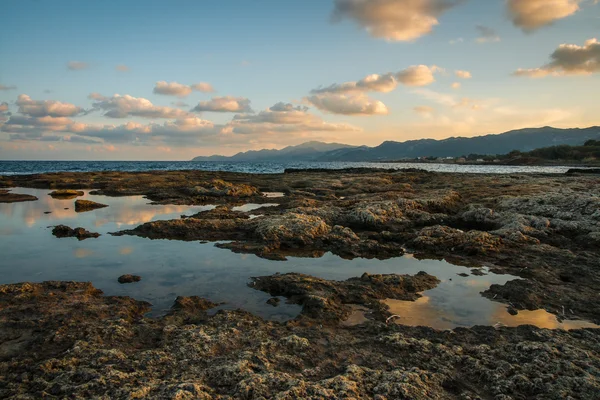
[(67, 340), (327, 301), (542, 228), (63, 231), (87, 205), (7, 197)]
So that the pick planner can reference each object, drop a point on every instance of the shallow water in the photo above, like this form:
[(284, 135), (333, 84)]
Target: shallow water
[(36, 167), (171, 268)]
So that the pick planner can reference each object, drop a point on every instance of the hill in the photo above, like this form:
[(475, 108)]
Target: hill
[(522, 140), (308, 151)]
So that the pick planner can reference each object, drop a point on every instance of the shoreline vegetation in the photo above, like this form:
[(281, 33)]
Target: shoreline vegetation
[(66, 339), (587, 155)]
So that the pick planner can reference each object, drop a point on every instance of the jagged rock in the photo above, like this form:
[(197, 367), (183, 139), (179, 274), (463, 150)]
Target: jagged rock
[(436, 238), (87, 205), (63, 231), (327, 300), (219, 188)]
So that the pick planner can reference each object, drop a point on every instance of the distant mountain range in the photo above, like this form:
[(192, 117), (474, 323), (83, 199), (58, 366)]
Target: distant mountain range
[(522, 140)]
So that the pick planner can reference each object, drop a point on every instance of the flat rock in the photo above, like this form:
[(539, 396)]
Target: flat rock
[(65, 194), (8, 197)]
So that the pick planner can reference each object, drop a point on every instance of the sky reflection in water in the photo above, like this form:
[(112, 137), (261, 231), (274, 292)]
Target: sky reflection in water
[(171, 268)]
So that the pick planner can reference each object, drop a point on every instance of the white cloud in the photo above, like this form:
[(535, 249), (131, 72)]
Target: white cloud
[(486, 34), (11, 87), (119, 106), (224, 104), (530, 15), (348, 104), (394, 20), (203, 87), (416, 75), (463, 74), (456, 85), (42, 108), (284, 118), (180, 90), (77, 65), (568, 59)]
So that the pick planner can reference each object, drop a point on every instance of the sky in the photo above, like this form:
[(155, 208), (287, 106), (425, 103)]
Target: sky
[(171, 80)]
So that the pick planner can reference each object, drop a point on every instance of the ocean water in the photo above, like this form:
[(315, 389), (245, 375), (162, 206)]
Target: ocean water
[(36, 167), (171, 268)]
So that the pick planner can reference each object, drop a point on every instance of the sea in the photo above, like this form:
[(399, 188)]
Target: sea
[(38, 167)]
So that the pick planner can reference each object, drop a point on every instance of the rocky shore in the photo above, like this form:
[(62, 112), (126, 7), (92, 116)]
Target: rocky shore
[(62, 339)]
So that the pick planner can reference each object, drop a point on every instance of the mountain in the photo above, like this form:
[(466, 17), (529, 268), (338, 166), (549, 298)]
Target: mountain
[(523, 140), (308, 151)]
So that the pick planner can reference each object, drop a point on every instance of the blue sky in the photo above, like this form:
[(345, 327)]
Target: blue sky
[(256, 54)]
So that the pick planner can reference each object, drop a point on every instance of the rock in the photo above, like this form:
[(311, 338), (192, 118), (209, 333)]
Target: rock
[(511, 310), (437, 238), (290, 230), (583, 171), (129, 278), (477, 272), (218, 188), (63, 231), (65, 194), (7, 197), (273, 301), (327, 301), (87, 205)]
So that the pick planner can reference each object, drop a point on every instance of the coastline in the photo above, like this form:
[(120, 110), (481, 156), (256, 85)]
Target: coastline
[(68, 338)]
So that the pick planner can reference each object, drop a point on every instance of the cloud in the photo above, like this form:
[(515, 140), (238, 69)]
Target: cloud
[(77, 65), (225, 104), (122, 68), (449, 100), (180, 90), (96, 96), (202, 87), (180, 104), (283, 118), (416, 75), (568, 59), (456, 41), (456, 85), (463, 74), (3, 87), (287, 107), (393, 20), (423, 110), (43, 108), (182, 131), (3, 107), (119, 106), (348, 104), (530, 15), (486, 34)]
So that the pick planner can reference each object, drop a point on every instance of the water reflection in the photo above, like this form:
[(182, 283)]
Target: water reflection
[(172, 268), (252, 206)]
